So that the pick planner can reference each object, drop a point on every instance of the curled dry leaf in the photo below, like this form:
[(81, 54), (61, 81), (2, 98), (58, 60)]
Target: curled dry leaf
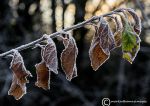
[(43, 75), (49, 63), (105, 35), (137, 26), (118, 33), (103, 42), (96, 53), (18, 86), (50, 56), (68, 57), (118, 24), (16, 89)]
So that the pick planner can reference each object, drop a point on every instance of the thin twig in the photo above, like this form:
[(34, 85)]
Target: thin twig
[(53, 35)]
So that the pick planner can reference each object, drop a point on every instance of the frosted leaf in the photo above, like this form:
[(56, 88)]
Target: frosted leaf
[(137, 20), (16, 89), (19, 75), (96, 53), (105, 35), (118, 32), (18, 68), (49, 55), (68, 57), (130, 43), (43, 75)]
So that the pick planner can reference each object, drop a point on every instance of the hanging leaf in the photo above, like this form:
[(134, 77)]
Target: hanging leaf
[(130, 43), (105, 34), (118, 33), (102, 43), (68, 57), (16, 89), (43, 76), (137, 26), (119, 25), (118, 38), (50, 56), (18, 68), (96, 53), (43, 72), (19, 76)]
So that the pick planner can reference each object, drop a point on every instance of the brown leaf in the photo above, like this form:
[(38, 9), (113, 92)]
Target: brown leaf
[(16, 89), (137, 26), (68, 57), (50, 56), (118, 38), (96, 53), (105, 34), (119, 25), (118, 33), (18, 68), (19, 76), (43, 75)]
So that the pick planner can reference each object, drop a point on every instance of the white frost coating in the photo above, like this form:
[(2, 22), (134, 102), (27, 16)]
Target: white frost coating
[(70, 48), (17, 58), (137, 20), (16, 63), (23, 88), (95, 42), (118, 33), (133, 56), (118, 23), (107, 41), (38, 82), (50, 56), (74, 74)]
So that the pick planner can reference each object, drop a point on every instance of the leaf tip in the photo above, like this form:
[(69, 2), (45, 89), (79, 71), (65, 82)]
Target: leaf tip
[(127, 57)]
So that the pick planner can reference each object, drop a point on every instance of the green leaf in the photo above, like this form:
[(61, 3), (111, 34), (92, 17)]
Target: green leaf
[(130, 43)]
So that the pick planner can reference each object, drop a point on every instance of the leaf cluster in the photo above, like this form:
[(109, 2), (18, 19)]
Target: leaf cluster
[(126, 36)]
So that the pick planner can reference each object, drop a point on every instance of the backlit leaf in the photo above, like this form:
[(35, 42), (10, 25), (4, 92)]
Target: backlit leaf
[(68, 57)]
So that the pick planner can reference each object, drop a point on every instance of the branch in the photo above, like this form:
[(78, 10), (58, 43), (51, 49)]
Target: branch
[(53, 35)]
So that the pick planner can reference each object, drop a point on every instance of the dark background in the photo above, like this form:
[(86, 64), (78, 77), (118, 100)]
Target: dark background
[(22, 21)]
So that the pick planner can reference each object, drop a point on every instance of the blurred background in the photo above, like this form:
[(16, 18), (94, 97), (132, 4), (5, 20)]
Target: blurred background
[(22, 21)]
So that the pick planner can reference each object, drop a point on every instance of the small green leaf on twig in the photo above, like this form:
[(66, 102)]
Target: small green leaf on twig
[(130, 43)]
